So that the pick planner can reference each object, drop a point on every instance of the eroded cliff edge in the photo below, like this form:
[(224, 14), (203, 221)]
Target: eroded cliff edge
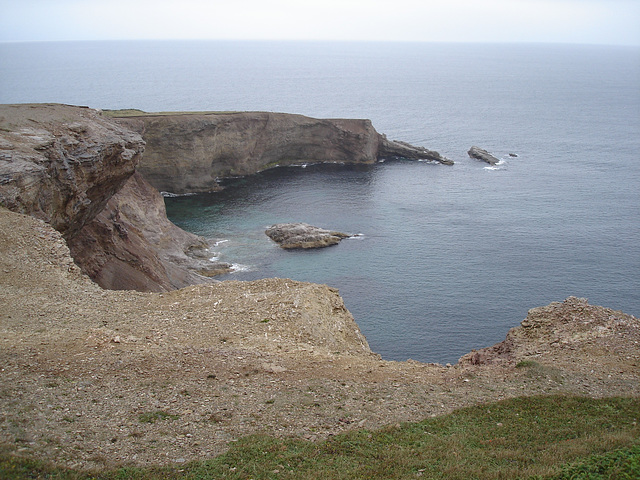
[(74, 169), (190, 152)]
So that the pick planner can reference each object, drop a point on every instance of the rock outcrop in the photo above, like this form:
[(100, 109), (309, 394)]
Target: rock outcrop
[(397, 149), (62, 163), (74, 169), (303, 235), (191, 152), (550, 329), (131, 245), (480, 154)]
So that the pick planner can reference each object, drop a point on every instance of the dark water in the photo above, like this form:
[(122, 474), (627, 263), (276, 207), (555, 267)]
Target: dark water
[(450, 257)]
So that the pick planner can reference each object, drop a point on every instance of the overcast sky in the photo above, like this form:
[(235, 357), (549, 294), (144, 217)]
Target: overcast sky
[(567, 21)]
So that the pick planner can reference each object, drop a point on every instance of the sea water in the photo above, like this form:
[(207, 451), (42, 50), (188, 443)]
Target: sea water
[(449, 258)]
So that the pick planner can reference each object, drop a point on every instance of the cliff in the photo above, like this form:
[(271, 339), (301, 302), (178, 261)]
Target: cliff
[(191, 152), (82, 366), (61, 163), (74, 169), (131, 245)]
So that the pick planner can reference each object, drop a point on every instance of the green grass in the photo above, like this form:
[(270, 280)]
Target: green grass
[(552, 437), (133, 112)]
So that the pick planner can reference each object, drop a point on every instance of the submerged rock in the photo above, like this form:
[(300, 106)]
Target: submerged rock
[(303, 235), (480, 154)]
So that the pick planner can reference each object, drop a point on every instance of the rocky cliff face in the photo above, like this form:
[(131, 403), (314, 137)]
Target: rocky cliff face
[(190, 152), (131, 245), (74, 169), (61, 163)]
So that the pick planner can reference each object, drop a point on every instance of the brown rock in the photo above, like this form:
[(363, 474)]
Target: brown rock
[(190, 152), (131, 245), (62, 163), (303, 235)]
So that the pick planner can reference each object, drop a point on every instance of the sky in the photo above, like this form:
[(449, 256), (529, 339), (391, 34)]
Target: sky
[(614, 22)]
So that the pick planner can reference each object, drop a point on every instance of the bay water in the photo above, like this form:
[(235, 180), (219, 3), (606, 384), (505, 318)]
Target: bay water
[(449, 258)]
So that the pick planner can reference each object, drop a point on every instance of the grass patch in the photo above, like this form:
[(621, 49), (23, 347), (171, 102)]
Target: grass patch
[(546, 437), (153, 417), (622, 464), (134, 112), (527, 364)]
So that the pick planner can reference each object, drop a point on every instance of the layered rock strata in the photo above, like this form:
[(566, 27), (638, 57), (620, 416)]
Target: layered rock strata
[(73, 168), (191, 152), (131, 245), (61, 163)]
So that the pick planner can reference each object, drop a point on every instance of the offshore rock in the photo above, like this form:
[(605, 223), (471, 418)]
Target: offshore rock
[(397, 149), (131, 245), (303, 235), (62, 163), (480, 154), (190, 152)]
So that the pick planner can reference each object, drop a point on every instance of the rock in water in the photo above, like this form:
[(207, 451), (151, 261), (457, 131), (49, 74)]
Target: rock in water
[(480, 154), (303, 235)]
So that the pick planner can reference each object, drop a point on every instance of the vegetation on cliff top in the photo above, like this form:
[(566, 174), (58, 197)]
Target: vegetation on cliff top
[(544, 437), (134, 112)]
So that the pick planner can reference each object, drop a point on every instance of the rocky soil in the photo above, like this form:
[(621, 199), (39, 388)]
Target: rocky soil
[(97, 378)]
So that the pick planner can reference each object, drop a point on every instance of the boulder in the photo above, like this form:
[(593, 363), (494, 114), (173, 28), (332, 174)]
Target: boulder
[(303, 235), (480, 154)]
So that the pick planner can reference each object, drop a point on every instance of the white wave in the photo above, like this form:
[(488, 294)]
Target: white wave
[(357, 236), (214, 259), (237, 267), (173, 195), (501, 165), (220, 242)]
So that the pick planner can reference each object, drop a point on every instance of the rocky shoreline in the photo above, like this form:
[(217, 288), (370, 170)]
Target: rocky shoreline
[(85, 368)]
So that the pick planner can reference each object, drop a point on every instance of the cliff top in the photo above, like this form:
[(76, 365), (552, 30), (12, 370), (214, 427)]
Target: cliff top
[(84, 368)]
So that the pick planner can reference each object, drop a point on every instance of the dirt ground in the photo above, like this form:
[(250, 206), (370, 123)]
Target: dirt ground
[(94, 378)]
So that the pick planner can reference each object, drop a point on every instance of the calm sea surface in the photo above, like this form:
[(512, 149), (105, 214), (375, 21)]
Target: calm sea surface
[(450, 258)]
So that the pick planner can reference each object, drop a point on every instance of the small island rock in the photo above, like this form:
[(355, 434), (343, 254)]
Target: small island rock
[(480, 154), (303, 235)]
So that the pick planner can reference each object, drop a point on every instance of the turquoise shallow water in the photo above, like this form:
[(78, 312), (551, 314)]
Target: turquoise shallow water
[(450, 257)]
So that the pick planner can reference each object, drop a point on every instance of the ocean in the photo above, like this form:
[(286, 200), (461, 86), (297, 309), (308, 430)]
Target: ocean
[(450, 258)]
